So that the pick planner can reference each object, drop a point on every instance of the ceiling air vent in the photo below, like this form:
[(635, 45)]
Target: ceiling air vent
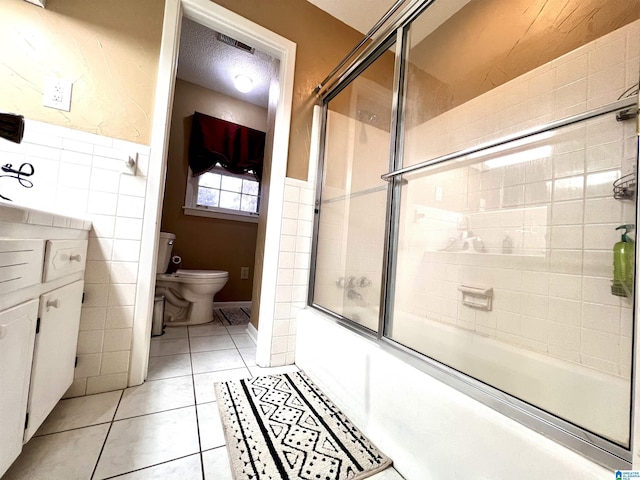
[(234, 43)]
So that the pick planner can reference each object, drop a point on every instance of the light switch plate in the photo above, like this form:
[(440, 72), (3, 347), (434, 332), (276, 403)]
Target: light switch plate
[(57, 93)]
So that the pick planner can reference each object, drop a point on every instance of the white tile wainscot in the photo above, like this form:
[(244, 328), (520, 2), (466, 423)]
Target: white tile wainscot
[(293, 268), (80, 173)]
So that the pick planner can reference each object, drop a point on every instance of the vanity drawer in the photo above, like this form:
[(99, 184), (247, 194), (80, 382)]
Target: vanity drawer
[(20, 263), (64, 257)]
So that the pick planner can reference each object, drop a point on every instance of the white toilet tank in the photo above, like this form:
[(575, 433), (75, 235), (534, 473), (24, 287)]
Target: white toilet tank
[(165, 245)]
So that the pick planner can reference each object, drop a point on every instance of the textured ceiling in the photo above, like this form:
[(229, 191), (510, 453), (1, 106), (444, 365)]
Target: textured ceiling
[(207, 62)]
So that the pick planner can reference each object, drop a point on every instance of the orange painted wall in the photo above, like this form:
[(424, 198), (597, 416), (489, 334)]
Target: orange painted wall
[(208, 243)]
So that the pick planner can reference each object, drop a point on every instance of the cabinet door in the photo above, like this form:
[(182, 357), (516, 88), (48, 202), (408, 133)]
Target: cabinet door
[(55, 352), (17, 331)]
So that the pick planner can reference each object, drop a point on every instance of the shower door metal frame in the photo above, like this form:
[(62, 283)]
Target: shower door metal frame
[(581, 440), (379, 47)]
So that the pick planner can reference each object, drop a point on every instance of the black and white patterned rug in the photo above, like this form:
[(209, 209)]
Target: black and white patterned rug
[(282, 427), (232, 315)]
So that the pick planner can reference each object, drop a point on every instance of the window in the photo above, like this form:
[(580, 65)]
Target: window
[(221, 194)]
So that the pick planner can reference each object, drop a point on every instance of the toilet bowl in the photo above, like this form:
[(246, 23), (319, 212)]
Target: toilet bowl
[(188, 293)]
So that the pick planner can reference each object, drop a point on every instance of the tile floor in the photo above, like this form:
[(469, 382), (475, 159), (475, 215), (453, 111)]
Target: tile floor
[(167, 428)]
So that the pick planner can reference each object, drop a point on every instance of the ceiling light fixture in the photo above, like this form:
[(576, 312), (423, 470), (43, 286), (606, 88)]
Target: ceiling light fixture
[(243, 83)]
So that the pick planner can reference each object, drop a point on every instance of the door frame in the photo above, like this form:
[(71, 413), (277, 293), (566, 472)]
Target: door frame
[(224, 21)]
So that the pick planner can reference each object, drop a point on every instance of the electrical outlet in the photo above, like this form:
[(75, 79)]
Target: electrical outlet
[(57, 93), (244, 273)]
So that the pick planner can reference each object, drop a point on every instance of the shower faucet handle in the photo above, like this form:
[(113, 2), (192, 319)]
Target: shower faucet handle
[(353, 282)]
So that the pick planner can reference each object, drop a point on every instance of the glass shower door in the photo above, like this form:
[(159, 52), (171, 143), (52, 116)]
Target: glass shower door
[(504, 262), (351, 227)]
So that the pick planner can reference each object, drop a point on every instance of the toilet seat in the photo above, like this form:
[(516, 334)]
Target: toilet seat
[(201, 273)]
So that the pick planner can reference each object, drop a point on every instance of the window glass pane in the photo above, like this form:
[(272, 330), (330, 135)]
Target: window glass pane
[(250, 186), (249, 204), (208, 197), (231, 184), (353, 204), (504, 261), (230, 200), (209, 179)]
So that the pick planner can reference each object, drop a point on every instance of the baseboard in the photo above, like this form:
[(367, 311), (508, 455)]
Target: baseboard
[(253, 333), (232, 304)]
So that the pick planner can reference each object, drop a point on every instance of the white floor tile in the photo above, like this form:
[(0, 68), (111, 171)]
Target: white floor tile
[(211, 342), (181, 469), (169, 366), (204, 382), (69, 455), (237, 329), (173, 332), (210, 425), (155, 396), (145, 441), (388, 474), (242, 340), (216, 464), (81, 412), (248, 354), (175, 346), (207, 329), (258, 371), (215, 361)]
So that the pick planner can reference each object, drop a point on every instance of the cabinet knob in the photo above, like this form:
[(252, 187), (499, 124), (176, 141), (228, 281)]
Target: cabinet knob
[(3, 331), (75, 258), (53, 303)]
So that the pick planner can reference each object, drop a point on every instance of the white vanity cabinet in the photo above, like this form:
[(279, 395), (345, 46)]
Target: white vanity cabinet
[(17, 333), (42, 262), (54, 355)]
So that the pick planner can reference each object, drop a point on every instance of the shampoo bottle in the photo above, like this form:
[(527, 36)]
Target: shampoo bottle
[(623, 263)]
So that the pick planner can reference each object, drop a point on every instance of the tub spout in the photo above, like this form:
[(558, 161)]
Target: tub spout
[(353, 295)]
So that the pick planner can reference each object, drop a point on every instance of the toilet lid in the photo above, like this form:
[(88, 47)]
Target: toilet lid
[(202, 273)]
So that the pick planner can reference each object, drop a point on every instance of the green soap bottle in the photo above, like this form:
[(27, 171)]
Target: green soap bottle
[(623, 263)]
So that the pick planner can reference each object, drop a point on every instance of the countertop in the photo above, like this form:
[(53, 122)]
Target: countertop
[(20, 214)]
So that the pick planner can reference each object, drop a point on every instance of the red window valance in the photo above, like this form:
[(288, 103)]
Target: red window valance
[(217, 142)]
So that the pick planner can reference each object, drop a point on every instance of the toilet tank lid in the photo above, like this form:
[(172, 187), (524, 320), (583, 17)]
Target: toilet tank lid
[(202, 273), (168, 235)]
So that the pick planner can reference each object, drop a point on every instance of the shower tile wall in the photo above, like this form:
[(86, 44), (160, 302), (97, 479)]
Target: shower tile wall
[(79, 173), (552, 295), (293, 268)]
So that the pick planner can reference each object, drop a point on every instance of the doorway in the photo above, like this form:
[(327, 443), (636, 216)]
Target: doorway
[(214, 215), (220, 20)]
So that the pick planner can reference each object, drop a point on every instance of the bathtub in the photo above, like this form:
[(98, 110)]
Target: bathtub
[(594, 400), (432, 430)]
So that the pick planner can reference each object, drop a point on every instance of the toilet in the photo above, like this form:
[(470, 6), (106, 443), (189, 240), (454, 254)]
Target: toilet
[(188, 293)]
